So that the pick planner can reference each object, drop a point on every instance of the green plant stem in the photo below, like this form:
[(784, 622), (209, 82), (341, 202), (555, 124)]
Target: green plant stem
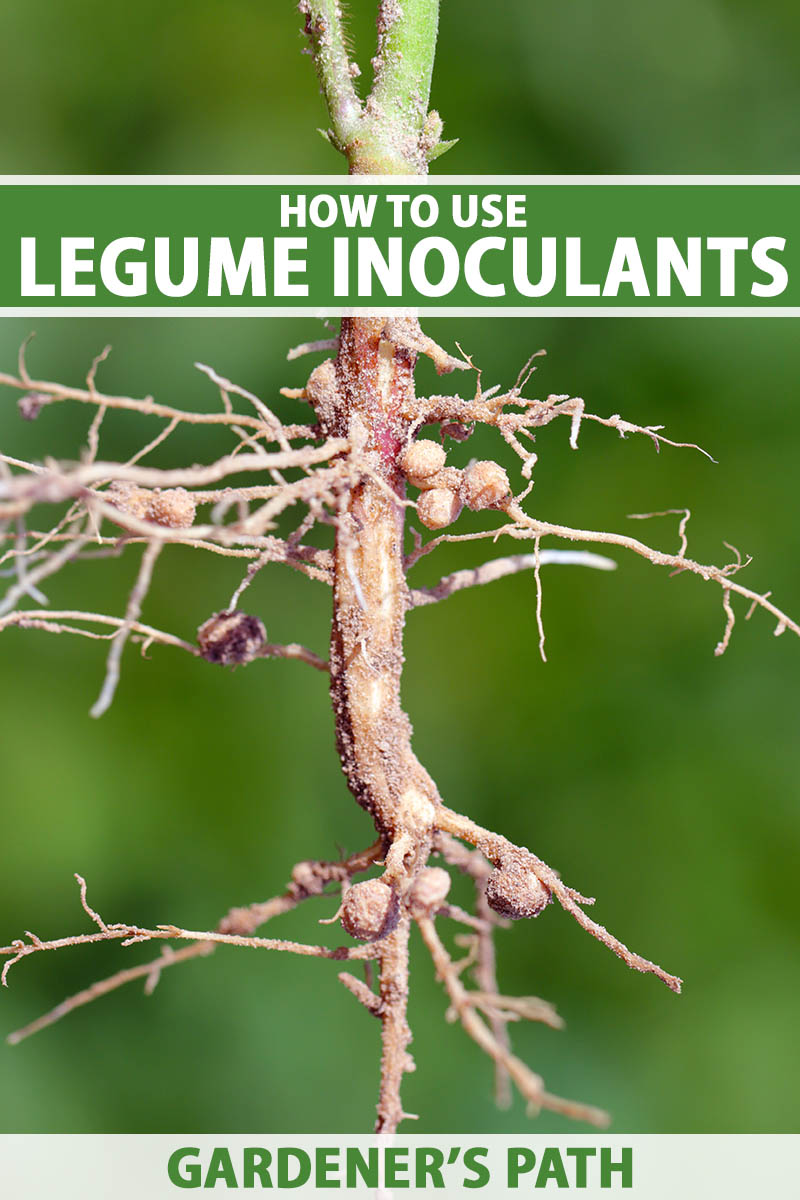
[(407, 32), (392, 133), (326, 37), (390, 139)]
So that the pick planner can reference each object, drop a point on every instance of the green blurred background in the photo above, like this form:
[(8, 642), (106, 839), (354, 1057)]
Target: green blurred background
[(655, 776)]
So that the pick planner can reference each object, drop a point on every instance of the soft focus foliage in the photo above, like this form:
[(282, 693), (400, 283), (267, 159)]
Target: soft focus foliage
[(653, 775)]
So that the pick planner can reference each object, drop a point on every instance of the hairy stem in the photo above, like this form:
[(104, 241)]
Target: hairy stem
[(392, 133), (398, 107), (407, 45), (326, 37)]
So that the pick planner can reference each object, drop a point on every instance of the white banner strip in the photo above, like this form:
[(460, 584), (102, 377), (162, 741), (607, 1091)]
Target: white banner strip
[(649, 1167), (388, 311)]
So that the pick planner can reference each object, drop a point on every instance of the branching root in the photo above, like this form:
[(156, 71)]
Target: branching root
[(267, 490)]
